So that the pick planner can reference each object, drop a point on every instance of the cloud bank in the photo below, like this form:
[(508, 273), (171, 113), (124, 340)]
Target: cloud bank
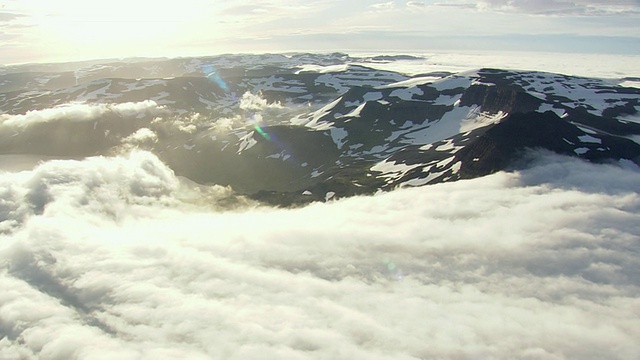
[(81, 112), (106, 259), (99, 188)]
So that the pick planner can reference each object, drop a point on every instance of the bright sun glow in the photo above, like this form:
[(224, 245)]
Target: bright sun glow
[(117, 28), (62, 30)]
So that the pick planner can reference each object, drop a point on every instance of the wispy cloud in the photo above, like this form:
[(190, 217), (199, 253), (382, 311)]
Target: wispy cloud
[(418, 4), (7, 16), (117, 28), (562, 7), (11, 28), (384, 6)]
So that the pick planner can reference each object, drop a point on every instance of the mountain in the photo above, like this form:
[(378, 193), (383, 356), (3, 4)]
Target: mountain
[(291, 129)]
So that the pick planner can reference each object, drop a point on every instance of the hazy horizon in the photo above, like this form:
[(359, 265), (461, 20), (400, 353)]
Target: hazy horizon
[(72, 30)]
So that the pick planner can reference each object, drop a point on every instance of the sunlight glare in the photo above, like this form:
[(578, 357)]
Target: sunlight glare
[(119, 27)]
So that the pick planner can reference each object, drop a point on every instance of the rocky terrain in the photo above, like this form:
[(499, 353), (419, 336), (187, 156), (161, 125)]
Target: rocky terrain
[(292, 129)]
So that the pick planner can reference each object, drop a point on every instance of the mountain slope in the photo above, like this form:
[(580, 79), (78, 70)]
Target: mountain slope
[(474, 124), (306, 127)]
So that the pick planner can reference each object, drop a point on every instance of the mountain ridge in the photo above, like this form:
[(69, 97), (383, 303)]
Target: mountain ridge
[(290, 130)]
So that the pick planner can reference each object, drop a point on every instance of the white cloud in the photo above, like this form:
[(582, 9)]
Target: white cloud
[(7, 16), (535, 264), (101, 186), (98, 188), (384, 6), (225, 125), (251, 102), (82, 112), (141, 136)]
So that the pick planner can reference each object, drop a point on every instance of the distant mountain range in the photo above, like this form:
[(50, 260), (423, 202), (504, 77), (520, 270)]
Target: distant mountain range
[(291, 129)]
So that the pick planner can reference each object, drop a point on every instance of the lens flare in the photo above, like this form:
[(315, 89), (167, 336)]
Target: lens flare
[(262, 132), (212, 74), (255, 119), (393, 270)]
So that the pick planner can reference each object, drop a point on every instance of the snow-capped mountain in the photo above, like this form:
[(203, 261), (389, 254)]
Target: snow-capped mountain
[(305, 127)]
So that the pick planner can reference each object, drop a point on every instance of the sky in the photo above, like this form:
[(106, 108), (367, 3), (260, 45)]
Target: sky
[(42, 31)]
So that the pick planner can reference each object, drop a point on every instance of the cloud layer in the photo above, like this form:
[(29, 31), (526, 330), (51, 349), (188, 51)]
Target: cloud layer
[(540, 263), (563, 7)]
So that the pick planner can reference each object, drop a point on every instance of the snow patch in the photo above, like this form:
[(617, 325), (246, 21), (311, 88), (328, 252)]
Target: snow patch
[(209, 104), (356, 111), (417, 81), (634, 118), (634, 138), (544, 107), (448, 100), (246, 142), (372, 96), (387, 167), (447, 146), (573, 92), (312, 122), (392, 170), (445, 162), (455, 168), (589, 139), (316, 173), (406, 93), (96, 94), (322, 69), (338, 135), (463, 80), (421, 181), (476, 119), (587, 130)]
